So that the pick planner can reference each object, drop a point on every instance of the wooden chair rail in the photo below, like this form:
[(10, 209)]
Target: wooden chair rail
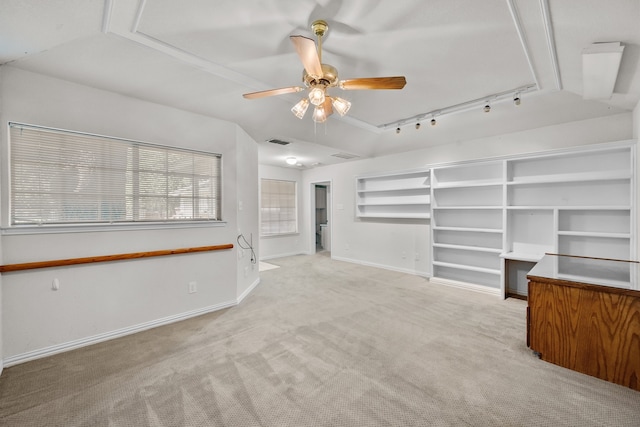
[(107, 258)]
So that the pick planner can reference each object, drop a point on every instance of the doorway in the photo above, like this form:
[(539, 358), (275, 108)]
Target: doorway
[(321, 211)]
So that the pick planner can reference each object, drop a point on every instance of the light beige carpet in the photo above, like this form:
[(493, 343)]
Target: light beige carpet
[(321, 343), (265, 266)]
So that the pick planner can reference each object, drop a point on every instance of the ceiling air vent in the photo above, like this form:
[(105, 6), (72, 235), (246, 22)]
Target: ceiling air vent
[(345, 156), (278, 141)]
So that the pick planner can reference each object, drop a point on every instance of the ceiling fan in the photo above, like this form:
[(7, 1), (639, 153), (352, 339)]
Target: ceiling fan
[(318, 77)]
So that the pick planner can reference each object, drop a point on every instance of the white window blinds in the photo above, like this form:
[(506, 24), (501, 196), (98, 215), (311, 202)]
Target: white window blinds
[(278, 207), (63, 177)]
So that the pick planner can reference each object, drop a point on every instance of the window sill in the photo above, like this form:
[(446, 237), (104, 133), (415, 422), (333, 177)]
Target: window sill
[(91, 228)]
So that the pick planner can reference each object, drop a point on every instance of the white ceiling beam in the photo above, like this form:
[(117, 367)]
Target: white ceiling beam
[(551, 41), (523, 41)]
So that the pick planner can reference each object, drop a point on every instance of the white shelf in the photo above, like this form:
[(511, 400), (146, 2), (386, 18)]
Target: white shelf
[(399, 195), (467, 248), (469, 184), (397, 216), (573, 177), (595, 234), (466, 267), (449, 208), (568, 208), (477, 230), (393, 204), (397, 189), (531, 208)]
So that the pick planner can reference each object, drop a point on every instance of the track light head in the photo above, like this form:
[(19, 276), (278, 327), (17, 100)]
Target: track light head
[(516, 100), (433, 122), (487, 108), (418, 125)]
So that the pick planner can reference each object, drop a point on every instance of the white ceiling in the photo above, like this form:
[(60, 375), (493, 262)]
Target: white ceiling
[(202, 55)]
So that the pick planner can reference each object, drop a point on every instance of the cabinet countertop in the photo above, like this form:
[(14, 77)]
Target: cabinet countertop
[(586, 270)]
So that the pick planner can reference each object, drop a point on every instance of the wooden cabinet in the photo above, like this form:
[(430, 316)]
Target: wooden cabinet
[(394, 195), (576, 322)]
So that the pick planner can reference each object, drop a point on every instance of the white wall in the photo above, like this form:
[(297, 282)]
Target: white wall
[(293, 244), (99, 301), (248, 214), (394, 244)]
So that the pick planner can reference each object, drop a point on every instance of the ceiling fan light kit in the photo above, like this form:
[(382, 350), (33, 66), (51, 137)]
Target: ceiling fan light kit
[(318, 77), (300, 108)]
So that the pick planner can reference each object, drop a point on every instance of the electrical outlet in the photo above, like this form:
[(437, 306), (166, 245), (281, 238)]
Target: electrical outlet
[(417, 256), (246, 271), (193, 287), (404, 255)]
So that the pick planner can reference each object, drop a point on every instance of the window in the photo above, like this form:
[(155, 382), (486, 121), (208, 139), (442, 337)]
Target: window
[(61, 177), (278, 207)]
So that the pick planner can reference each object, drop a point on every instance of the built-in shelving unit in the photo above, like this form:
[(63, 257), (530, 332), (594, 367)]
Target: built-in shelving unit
[(492, 220), (576, 203), (468, 223), (395, 195)]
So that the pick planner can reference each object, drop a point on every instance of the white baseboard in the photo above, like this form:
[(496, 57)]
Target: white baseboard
[(83, 342), (264, 258), (383, 266), (248, 291), (465, 285)]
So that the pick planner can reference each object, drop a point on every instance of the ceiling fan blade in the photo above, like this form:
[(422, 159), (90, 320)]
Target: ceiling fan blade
[(374, 83), (272, 92), (308, 54)]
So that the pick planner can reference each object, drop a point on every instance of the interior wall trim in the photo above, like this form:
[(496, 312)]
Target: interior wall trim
[(95, 339), (248, 291), (467, 286), (385, 267)]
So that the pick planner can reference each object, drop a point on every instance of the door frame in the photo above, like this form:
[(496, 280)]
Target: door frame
[(312, 211)]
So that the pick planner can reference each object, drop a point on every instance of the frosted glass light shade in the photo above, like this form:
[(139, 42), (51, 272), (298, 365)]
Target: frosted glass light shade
[(291, 160), (300, 108), (340, 105), (319, 115), (316, 96)]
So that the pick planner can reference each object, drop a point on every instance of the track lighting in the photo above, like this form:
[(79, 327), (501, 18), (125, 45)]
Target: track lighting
[(485, 103), (418, 125), (397, 130)]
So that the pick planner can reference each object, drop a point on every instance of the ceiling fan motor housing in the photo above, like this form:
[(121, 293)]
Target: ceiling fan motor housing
[(329, 77)]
